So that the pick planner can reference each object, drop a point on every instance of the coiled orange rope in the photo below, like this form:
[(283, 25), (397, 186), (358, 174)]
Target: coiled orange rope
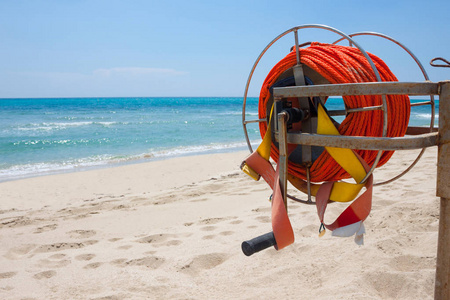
[(341, 64)]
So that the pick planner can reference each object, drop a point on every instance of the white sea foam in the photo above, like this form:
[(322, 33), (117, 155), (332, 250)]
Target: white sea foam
[(191, 150), (64, 125), (238, 113), (45, 168), (67, 124), (424, 116)]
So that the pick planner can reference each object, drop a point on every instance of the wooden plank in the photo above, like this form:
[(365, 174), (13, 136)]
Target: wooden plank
[(368, 88), (412, 130), (364, 143), (443, 168)]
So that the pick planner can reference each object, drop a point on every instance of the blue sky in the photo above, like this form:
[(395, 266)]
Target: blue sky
[(193, 48)]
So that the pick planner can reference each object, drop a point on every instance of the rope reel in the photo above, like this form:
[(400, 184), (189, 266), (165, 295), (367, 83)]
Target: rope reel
[(318, 171), (338, 64)]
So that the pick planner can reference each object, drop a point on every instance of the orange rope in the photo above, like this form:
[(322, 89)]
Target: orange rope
[(341, 64)]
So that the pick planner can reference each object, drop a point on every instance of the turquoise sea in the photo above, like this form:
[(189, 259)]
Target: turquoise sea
[(42, 136)]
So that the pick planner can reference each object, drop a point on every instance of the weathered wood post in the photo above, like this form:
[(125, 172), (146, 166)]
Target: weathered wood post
[(442, 284)]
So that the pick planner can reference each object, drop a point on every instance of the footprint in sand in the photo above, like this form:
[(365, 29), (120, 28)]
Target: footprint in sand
[(118, 262), (208, 228), (85, 257), (57, 256), (19, 252), (125, 247), (16, 222), (162, 239), (47, 263), (44, 275), (155, 238), (226, 233), (165, 199), (204, 262), (7, 275), (173, 243), (93, 265), (114, 240), (121, 206), (46, 228), (64, 246), (263, 219), (236, 222), (210, 221), (151, 262), (81, 234)]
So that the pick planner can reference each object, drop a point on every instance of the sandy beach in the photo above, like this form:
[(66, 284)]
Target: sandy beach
[(173, 229)]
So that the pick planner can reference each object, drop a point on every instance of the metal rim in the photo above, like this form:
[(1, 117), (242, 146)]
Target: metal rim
[(425, 75), (343, 36)]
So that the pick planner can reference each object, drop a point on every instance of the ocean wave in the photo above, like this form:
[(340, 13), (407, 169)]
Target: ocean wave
[(64, 125), (45, 168), (238, 113), (190, 150), (423, 116), (59, 142)]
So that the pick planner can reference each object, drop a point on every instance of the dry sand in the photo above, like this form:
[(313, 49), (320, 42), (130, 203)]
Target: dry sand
[(173, 229)]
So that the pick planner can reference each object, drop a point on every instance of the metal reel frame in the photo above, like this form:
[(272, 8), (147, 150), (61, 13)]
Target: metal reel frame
[(431, 102), (383, 107)]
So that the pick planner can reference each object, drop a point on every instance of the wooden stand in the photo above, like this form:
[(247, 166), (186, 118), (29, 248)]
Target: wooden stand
[(441, 139), (442, 285)]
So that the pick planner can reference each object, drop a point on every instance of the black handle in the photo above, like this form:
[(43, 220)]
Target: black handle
[(258, 243)]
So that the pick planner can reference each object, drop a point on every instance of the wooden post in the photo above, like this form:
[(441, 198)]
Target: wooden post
[(283, 158), (442, 283)]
